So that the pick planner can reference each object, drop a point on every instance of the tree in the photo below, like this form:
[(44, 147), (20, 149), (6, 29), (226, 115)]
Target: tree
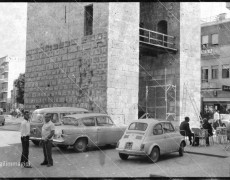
[(20, 85)]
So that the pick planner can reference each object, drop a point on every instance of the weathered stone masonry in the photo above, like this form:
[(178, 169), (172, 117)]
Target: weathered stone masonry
[(100, 70)]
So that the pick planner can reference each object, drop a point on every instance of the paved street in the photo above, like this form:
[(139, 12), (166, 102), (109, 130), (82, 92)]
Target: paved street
[(199, 162)]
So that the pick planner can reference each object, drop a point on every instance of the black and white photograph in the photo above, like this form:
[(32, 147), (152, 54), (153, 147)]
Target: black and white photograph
[(112, 90)]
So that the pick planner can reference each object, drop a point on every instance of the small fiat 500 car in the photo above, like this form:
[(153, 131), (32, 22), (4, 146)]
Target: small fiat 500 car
[(87, 130), (57, 114), (150, 137)]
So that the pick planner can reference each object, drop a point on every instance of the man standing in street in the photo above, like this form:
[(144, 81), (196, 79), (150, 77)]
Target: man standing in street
[(25, 134), (47, 137)]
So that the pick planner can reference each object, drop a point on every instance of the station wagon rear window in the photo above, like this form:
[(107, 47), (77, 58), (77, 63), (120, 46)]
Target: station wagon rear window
[(138, 126), (70, 121), (36, 117)]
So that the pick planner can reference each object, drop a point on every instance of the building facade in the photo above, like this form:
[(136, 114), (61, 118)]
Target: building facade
[(11, 68), (101, 56), (215, 61)]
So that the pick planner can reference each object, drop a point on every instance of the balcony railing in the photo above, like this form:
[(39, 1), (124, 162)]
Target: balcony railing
[(5, 70), (3, 100), (5, 80), (3, 90), (157, 39)]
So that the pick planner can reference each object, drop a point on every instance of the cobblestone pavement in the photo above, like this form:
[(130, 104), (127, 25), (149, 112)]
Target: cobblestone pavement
[(106, 163)]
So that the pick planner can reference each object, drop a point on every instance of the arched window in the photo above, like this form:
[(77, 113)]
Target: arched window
[(162, 27)]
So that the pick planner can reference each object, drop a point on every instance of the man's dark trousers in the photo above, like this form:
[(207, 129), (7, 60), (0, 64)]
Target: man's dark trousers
[(25, 150), (47, 150)]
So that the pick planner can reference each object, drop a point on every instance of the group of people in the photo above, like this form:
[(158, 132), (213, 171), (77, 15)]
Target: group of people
[(186, 131), (47, 136), (194, 141)]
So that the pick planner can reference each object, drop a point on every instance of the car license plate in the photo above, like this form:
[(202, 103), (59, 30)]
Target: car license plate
[(128, 145)]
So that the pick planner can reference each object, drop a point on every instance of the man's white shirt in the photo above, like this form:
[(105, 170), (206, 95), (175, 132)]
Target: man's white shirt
[(25, 128)]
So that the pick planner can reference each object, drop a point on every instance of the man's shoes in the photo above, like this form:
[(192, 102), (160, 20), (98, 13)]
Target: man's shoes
[(207, 144), (48, 165), (44, 163)]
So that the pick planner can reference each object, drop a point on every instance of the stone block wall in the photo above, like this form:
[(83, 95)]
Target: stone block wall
[(190, 58), (123, 62), (98, 72), (64, 67)]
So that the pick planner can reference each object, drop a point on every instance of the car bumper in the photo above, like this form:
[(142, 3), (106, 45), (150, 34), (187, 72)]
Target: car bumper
[(58, 141), (131, 152), (35, 139)]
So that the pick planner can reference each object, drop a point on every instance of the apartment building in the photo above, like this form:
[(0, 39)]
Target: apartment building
[(11, 68), (215, 62)]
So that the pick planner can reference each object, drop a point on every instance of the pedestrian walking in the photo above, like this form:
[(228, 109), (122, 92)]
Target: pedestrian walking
[(47, 137), (186, 131), (25, 134)]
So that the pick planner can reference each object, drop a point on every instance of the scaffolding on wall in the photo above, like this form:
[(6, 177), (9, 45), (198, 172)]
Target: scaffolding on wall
[(168, 112)]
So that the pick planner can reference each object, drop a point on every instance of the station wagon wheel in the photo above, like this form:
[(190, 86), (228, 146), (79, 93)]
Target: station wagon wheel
[(181, 149), (123, 156), (63, 147), (154, 156), (80, 145)]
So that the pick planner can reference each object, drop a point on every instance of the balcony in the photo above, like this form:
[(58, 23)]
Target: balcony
[(3, 100), (210, 85), (3, 90), (3, 61), (155, 42), (5, 80), (5, 70)]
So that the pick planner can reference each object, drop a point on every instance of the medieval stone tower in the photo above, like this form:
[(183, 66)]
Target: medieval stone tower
[(91, 55)]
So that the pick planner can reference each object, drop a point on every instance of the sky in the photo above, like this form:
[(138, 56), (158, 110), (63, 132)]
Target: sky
[(13, 18)]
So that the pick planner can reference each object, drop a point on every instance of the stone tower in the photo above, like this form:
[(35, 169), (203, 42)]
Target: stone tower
[(90, 55)]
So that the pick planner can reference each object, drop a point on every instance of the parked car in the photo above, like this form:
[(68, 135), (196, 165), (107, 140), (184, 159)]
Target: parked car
[(2, 120), (87, 130), (57, 113), (150, 137), (225, 119)]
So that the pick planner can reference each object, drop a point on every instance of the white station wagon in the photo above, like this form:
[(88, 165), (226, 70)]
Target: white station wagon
[(150, 137)]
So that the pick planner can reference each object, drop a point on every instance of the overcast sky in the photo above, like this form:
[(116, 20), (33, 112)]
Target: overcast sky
[(13, 25)]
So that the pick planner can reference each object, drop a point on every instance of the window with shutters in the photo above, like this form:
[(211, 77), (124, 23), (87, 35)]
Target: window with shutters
[(204, 40), (225, 71), (214, 72), (215, 39), (204, 74)]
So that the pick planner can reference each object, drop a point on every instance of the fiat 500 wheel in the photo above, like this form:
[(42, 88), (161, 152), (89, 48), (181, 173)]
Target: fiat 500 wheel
[(123, 156), (154, 156), (181, 149), (80, 145)]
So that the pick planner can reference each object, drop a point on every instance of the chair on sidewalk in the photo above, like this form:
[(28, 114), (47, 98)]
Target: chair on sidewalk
[(196, 132), (221, 135)]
